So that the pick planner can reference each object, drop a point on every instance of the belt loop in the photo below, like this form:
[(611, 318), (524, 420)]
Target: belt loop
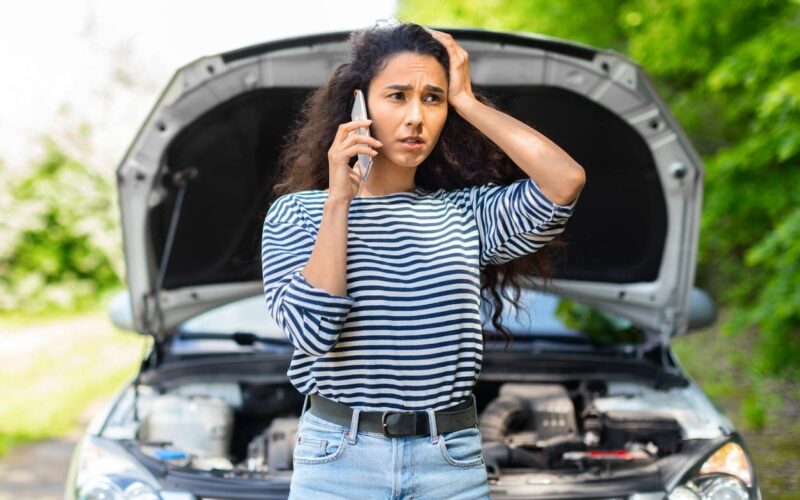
[(432, 425), (354, 425)]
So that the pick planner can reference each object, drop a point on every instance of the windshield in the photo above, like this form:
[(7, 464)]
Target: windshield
[(545, 315), (553, 322)]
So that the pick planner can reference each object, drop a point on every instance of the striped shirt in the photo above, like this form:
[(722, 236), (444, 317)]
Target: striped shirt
[(407, 334)]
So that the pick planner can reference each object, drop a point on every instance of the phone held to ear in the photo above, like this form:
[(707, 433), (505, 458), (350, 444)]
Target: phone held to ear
[(360, 113)]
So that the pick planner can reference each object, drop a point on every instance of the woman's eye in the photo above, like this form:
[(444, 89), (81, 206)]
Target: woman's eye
[(435, 97)]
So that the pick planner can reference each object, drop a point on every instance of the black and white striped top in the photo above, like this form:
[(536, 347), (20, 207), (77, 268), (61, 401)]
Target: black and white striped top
[(407, 335)]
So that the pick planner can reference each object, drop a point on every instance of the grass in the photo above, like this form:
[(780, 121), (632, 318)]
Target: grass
[(766, 410), (55, 369)]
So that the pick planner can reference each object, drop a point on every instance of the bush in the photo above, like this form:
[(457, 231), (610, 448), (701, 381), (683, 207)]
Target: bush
[(60, 245)]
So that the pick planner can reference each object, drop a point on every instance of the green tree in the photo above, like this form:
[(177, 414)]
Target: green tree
[(61, 247), (730, 72)]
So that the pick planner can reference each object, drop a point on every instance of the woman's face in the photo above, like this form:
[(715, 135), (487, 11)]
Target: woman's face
[(407, 98)]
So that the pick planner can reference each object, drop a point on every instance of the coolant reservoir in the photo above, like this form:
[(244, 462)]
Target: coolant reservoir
[(200, 425)]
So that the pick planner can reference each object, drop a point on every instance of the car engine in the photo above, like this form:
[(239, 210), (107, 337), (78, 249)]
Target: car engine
[(540, 426), (249, 429)]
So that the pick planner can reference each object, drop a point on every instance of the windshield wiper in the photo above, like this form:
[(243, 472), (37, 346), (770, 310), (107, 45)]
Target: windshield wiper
[(241, 338)]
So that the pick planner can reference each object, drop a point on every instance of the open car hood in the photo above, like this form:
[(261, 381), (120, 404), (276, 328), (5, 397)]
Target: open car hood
[(217, 128)]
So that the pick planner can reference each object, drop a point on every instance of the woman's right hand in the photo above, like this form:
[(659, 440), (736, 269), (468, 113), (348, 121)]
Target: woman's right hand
[(344, 181)]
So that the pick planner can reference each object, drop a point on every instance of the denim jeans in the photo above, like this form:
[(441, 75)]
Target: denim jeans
[(331, 462)]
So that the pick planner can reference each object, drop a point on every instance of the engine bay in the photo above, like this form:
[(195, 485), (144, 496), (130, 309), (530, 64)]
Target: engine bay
[(247, 429), (550, 427)]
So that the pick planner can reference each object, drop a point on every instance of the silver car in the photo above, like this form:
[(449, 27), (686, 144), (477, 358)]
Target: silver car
[(588, 401)]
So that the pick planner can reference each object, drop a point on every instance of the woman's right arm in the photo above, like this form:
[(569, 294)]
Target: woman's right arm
[(327, 266), (305, 274), (310, 316)]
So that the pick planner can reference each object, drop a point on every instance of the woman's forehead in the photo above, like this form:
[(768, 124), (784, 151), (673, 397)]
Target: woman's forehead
[(408, 67)]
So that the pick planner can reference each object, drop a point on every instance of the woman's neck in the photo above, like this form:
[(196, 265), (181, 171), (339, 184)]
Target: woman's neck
[(387, 178)]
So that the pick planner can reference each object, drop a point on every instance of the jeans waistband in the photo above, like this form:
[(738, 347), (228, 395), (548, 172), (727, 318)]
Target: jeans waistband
[(396, 423)]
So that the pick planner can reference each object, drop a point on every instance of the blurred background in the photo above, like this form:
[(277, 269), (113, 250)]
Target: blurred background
[(81, 76)]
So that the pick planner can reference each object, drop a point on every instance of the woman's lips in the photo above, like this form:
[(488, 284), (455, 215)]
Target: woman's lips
[(411, 144)]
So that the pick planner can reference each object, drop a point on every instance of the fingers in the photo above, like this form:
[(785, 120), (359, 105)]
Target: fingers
[(347, 153), (437, 32), (348, 143), (358, 149), (345, 128), (354, 144), (354, 138), (449, 43), (445, 39)]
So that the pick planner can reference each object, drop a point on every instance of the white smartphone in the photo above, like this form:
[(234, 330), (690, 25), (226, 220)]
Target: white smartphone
[(360, 113)]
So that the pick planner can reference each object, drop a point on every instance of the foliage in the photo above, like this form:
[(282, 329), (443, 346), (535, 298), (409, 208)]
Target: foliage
[(730, 72), (599, 326), (60, 247)]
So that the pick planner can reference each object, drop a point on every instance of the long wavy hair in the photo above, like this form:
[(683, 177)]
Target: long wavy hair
[(462, 157)]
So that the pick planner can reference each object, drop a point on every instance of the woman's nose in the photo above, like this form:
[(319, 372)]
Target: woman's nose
[(413, 113)]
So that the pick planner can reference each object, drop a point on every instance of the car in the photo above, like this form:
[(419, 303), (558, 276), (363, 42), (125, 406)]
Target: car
[(588, 401)]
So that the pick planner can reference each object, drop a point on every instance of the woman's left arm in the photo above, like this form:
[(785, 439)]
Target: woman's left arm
[(559, 176)]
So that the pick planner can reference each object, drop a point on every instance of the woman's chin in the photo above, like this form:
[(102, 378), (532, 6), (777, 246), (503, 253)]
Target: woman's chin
[(406, 160)]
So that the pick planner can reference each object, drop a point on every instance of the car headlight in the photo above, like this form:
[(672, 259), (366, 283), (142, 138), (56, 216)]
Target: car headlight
[(110, 487), (726, 475), (105, 472), (715, 487)]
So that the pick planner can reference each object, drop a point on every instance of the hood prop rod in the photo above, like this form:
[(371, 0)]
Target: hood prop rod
[(155, 320), (180, 179)]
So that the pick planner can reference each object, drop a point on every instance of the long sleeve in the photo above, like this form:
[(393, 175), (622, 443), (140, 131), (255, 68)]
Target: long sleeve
[(513, 220), (311, 317)]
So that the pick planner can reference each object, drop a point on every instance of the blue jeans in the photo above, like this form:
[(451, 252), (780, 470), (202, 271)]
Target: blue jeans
[(330, 462)]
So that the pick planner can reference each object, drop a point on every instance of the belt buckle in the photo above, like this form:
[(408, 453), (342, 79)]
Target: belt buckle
[(385, 425)]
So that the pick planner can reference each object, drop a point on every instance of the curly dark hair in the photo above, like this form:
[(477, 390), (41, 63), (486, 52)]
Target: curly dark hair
[(462, 157)]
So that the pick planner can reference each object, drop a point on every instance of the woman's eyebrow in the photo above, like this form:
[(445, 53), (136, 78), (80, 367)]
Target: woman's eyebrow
[(432, 88)]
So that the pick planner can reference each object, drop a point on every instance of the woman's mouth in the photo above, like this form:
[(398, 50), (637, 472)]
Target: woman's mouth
[(411, 143)]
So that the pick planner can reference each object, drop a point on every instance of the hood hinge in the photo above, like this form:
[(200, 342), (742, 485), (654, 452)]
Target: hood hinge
[(669, 326), (669, 323)]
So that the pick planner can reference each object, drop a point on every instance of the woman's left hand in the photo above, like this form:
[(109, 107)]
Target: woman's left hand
[(460, 87)]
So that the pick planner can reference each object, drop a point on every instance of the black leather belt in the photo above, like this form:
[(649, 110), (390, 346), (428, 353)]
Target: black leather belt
[(396, 423)]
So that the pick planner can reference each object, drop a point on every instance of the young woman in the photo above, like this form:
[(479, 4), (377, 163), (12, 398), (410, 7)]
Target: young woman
[(378, 283)]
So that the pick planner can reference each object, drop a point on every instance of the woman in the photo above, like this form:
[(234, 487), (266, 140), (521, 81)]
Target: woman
[(377, 283)]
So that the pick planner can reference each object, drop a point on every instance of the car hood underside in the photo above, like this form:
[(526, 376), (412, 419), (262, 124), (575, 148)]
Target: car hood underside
[(205, 161)]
